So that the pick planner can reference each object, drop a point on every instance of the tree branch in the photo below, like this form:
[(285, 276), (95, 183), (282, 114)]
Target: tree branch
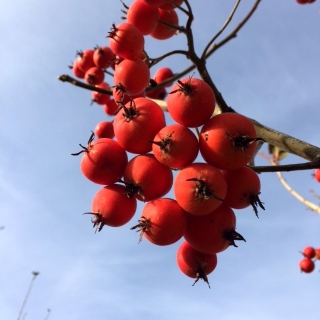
[(307, 203), (287, 143), (204, 54)]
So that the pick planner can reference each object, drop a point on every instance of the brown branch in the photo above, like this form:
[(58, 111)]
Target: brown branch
[(154, 61), (288, 167), (77, 83)]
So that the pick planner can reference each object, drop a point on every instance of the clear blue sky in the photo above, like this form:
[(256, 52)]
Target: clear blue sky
[(270, 72)]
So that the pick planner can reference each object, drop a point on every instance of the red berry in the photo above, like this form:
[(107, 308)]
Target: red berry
[(191, 102), (110, 107), (112, 207), (94, 76), (214, 232), (101, 98), (76, 69), (163, 32), (136, 123), (104, 129), (163, 74), (126, 41), (243, 189), (103, 161), (317, 174), (195, 264), (85, 60), (162, 222), (309, 252), (103, 57), (143, 16), (228, 141), (131, 76), (175, 146), (146, 178), (306, 265), (200, 188)]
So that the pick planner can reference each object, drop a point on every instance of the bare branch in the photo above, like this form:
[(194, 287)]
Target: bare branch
[(307, 203), (77, 83), (35, 274), (221, 30)]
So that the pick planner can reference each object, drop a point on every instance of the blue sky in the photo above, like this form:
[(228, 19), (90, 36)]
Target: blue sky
[(270, 72)]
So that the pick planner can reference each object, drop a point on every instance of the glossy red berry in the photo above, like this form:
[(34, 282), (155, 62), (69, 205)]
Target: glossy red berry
[(309, 252), (306, 265)]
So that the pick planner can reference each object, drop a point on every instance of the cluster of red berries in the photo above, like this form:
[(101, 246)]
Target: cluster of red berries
[(205, 192), (305, 1), (307, 264)]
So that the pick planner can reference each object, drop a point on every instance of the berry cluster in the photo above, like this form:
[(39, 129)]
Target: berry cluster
[(205, 193), (307, 265)]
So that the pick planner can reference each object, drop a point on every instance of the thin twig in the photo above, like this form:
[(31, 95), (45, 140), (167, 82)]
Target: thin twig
[(233, 34), (294, 193), (288, 167), (315, 194), (154, 61), (77, 83), (204, 54), (35, 274), (48, 314)]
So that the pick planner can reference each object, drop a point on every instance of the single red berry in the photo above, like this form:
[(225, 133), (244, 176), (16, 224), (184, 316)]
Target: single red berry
[(243, 189), (76, 69), (162, 31), (112, 207), (101, 98), (85, 60), (104, 129), (136, 123), (195, 264), (94, 76), (103, 57), (306, 265), (143, 16), (103, 161), (110, 107), (163, 222), (309, 252), (126, 41), (228, 141), (175, 146), (163, 74), (191, 102), (317, 174), (213, 232), (200, 188), (131, 76), (146, 178)]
